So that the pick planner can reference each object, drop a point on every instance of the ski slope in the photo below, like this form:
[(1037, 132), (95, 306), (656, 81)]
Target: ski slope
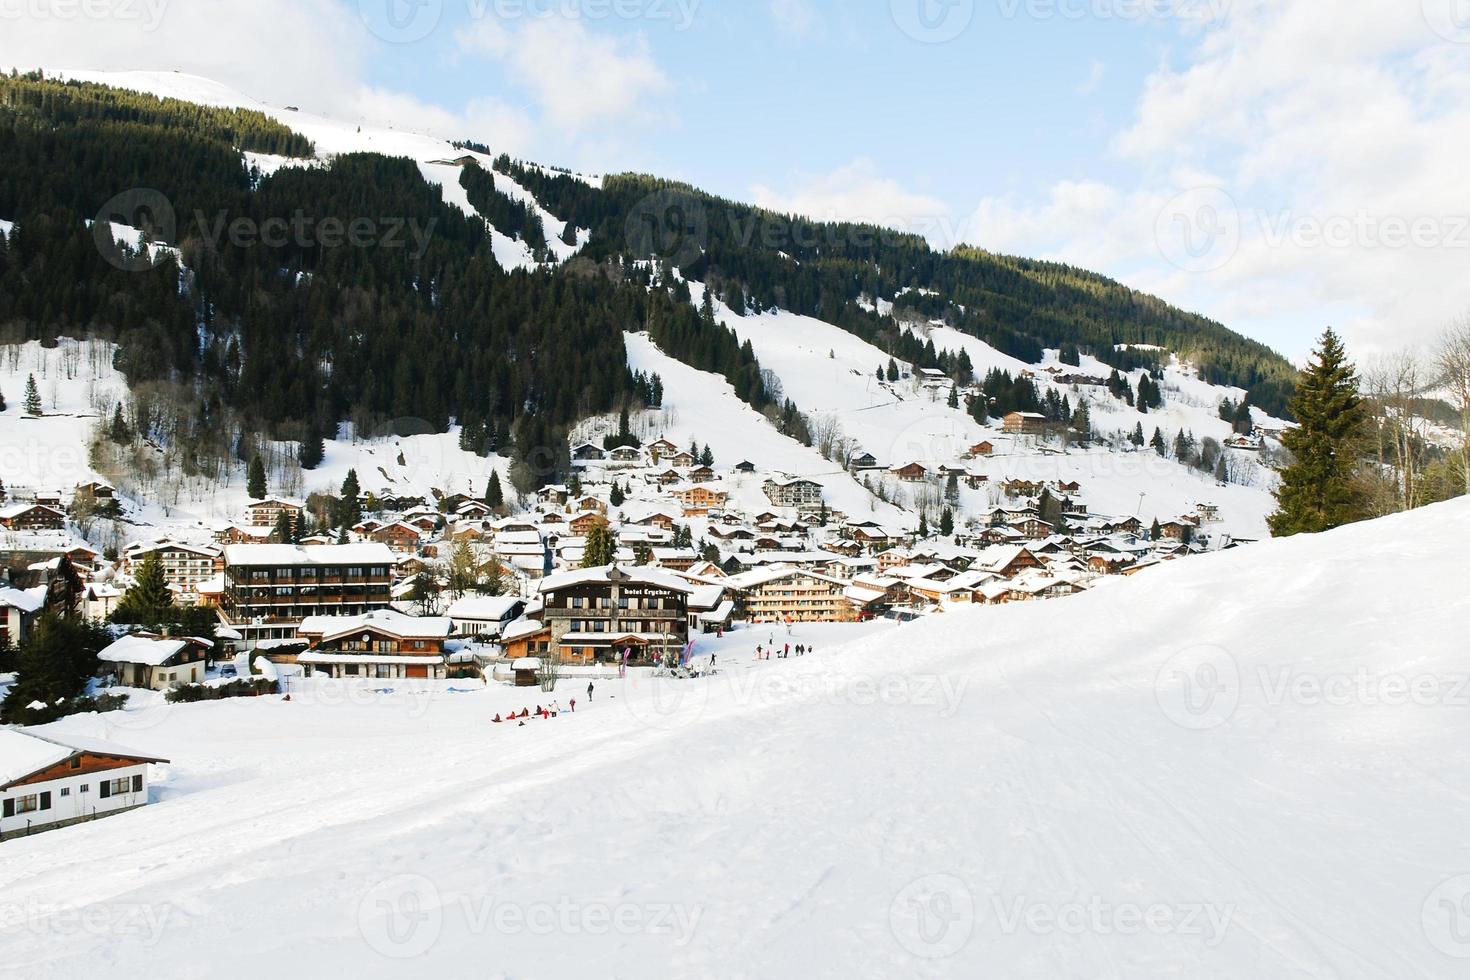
[(699, 406), (1250, 765), (832, 374)]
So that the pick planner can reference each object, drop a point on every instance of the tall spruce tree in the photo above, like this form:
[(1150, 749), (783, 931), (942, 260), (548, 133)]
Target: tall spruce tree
[(494, 493), (33, 396), (255, 479), (1317, 491), (148, 601)]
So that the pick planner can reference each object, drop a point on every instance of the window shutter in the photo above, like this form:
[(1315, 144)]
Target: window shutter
[(138, 784), (9, 810), (106, 789), (45, 801)]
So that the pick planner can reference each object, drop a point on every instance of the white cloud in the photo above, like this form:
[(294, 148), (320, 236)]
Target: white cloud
[(1095, 74), (795, 18), (857, 192), (1339, 133), (581, 81)]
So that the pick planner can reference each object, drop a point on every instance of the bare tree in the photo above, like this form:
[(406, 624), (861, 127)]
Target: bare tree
[(1452, 362), (1395, 385)]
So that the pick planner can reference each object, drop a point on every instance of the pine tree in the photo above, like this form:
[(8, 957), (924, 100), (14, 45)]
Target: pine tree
[(946, 523), (954, 396), (615, 497), (923, 526), (285, 532), (1156, 532), (494, 494), (893, 373), (148, 601), (1137, 437), (707, 457), (1158, 444), (350, 502), (1317, 491), (494, 583), (255, 479), (33, 396), (602, 547), (118, 430)]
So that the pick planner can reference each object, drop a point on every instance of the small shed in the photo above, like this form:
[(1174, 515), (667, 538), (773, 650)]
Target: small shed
[(527, 671)]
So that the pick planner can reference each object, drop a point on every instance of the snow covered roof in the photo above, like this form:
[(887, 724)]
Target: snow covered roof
[(633, 576), (382, 620), (22, 752), (26, 600), (323, 554), (147, 651), (483, 607), (521, 628)]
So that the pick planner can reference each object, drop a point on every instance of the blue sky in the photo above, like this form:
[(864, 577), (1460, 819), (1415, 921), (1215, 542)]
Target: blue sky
[(1280, 165)]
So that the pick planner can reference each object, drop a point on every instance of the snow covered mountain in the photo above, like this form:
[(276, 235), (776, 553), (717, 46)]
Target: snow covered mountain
[(1253, 765), (826, 371)]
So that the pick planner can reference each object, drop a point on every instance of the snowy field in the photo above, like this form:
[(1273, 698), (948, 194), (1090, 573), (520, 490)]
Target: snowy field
[(1253, 764)]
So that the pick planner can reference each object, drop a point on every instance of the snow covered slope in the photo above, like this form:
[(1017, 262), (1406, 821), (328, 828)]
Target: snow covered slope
[(1255, 765)]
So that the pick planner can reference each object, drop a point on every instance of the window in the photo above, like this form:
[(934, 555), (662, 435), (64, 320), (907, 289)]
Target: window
[(26, 804), (76, 762), (66, 791), (115, 786)]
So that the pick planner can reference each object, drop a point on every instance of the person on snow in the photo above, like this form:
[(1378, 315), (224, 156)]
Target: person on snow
[(589, 690), (574, 705), (498, 720)]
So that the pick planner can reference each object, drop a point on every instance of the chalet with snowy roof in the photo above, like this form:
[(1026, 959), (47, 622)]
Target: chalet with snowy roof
[(95, 491), (793, 492), (583, 523), (32, 517), (783, 594), (485, 616), (911, 472), (271, 588), (553, 495), (1024, 424), (401, 538), (698, 501), (682, 460), (626, 456), (18, 610), (384, 644), (267, 513), (184, 565), (587, 452), (597, 615), (50, 781), (154, 662), (745, 466), (661, 449)]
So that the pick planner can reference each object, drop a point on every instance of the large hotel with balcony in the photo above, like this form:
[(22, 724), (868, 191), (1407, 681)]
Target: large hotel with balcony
[(271, 588), (596, 614)]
